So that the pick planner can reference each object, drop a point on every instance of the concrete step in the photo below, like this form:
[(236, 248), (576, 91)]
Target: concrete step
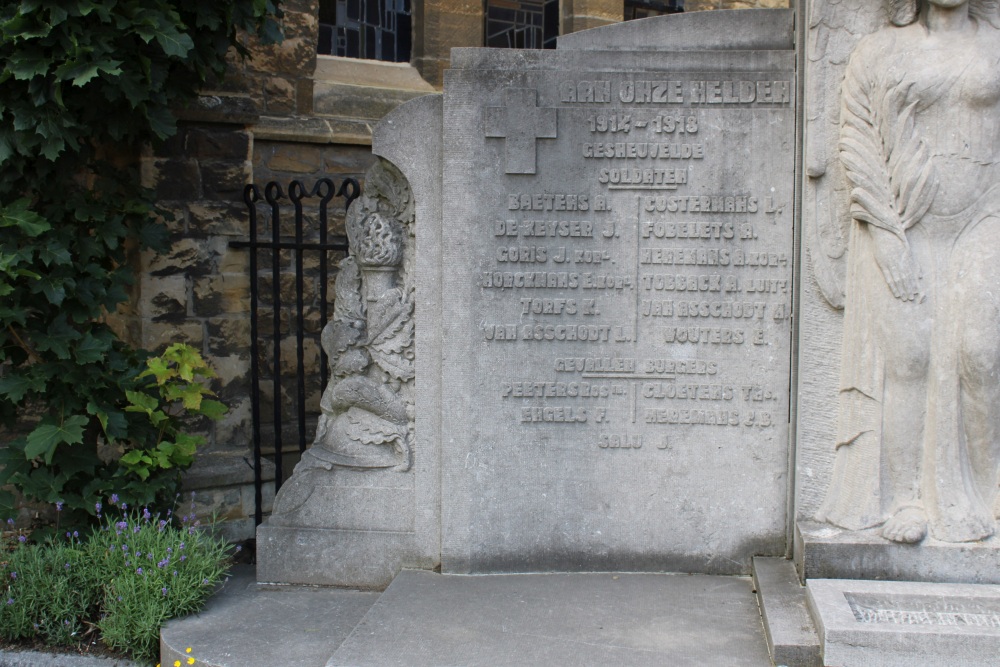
[(791, 634), (425, 618)]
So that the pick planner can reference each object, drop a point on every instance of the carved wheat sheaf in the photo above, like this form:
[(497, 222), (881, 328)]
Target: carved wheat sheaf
[(886, 162)]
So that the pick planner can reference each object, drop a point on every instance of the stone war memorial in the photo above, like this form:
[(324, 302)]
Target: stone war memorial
[(716, 294)]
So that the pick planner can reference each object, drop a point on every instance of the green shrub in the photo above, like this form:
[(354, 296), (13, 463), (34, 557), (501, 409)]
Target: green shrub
[(133, 573), (147, 454)]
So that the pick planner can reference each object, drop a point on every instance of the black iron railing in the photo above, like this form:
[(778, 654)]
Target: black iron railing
[(274, 197)]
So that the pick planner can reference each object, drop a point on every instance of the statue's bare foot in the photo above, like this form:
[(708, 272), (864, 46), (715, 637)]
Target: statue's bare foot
[(908, 525)]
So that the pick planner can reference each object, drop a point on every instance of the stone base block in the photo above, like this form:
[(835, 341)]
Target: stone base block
[(901, 624), (352, 558), (826, 552)]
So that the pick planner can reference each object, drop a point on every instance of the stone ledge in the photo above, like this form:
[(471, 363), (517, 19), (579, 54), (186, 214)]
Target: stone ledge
[(826, 552), (314, 130), (219, 108)]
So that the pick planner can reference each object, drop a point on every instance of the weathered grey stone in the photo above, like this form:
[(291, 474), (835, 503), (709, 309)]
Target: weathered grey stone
[(900, 624), (426, 619), (897, 185), (363, 498), (827, 552), (698, 31), (247, 625), (791, 635), (617, 326)]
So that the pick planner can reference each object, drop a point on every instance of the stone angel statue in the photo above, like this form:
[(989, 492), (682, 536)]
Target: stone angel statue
[(918, 447)]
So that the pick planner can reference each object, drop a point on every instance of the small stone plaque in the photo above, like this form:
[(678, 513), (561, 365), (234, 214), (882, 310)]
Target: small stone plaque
[(905, 623), (617, 278)]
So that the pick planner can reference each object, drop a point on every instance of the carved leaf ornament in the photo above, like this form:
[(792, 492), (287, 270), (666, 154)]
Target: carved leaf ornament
[(887, 163)]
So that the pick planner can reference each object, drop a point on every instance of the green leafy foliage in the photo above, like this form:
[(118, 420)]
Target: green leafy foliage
[(123, 579), (58, 460), (83, 85)]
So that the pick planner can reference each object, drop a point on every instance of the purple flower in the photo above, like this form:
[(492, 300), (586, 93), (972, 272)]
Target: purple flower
[(10, 600), (68, 534), (59, 505), (239, 548), (145, 514), (124, 506), (138, 570), (170, 550), (163, 563), (136, 529), (175, 573), (13, 575), (76, 533), (180, 546), (125, 548), (183, 558), (120, 526), (149, 556), (163, 524), (66, 566), (204, 582), (164, 590), (10, 522), (98, 506), (114, 498), (22, 539)]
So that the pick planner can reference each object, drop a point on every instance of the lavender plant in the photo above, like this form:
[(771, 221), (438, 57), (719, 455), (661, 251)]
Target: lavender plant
[(120, 582)]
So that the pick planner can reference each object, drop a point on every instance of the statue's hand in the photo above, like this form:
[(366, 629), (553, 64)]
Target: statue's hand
[(900, 271)]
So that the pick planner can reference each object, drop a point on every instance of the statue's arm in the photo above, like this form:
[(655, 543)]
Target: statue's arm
[(887, 165)]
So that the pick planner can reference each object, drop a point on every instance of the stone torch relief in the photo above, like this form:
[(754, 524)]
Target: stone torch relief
[(366, 419), (918, 442)]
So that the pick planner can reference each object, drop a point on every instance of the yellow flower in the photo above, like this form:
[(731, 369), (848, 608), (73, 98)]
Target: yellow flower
[(187, 650), (177, 663), (190, 661)]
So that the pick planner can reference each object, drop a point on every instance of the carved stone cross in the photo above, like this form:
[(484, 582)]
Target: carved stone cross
[(520, 122)]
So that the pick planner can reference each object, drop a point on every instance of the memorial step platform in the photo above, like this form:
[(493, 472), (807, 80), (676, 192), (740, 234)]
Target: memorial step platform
[(424, 618), (899, 624)]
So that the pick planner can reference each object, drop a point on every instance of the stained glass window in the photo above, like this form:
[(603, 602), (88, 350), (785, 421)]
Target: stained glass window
[(641, 9), (522, 24), (369, 29)]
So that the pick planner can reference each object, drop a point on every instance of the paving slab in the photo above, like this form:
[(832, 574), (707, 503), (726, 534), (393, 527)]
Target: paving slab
[(789, 629), (251, 625), (901, 624), (425, 618)]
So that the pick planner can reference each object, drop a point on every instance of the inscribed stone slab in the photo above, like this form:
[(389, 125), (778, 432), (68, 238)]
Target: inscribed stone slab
[(559, 619), (618, 255), (901, 624)]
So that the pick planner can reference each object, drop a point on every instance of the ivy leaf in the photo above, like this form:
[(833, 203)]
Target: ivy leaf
[(48, 435), (213, 409), (159, 368), (25, 67), (91, 349), (141, 402), (15, 386), (19, 215), (174, 43)]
